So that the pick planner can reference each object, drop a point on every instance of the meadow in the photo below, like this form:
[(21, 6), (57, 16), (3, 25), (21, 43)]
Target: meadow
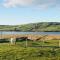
[(35, 50)]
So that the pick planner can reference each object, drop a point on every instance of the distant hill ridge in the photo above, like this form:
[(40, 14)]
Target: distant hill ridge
[(33, 27)]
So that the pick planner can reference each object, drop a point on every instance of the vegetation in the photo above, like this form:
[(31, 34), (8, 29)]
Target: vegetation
[(35, 27), (31, 52), (35, 49)]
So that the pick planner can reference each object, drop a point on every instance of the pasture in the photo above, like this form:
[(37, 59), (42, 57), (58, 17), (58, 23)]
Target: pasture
[(35, 50)]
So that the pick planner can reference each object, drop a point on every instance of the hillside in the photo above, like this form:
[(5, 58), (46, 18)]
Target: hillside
[(33, 27)]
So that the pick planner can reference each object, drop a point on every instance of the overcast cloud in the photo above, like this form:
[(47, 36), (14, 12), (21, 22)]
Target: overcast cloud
[(37, 3)]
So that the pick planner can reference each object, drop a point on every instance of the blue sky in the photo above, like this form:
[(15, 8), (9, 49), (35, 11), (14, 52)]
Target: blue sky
[(16, 12)]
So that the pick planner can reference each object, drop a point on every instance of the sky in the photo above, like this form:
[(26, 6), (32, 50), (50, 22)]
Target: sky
[(16, 12)]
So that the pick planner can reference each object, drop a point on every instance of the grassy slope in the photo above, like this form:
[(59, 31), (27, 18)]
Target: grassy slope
[(43, 26), (17, 52)]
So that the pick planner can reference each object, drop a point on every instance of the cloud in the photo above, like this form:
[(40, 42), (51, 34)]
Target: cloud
[(14, 3), (36, 3)]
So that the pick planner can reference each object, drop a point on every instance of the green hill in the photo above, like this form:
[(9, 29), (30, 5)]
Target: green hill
[(33, 27)]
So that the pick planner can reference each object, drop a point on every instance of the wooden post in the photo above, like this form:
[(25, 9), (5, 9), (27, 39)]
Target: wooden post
[(26, 43), (59, 43)]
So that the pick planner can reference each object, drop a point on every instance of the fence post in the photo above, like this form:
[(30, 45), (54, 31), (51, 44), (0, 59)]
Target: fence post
[(59, 43)]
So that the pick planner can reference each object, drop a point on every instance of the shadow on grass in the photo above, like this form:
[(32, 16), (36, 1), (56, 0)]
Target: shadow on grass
[(4, 41)]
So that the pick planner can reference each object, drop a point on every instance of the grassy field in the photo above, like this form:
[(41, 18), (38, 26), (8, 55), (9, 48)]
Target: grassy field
[(31, 52)]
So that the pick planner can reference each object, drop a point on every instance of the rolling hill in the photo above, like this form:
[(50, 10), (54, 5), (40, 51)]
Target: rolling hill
[(33, 27)]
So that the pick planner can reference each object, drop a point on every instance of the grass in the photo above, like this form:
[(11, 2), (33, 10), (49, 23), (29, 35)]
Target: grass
[(40, 43), (20, 52)]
